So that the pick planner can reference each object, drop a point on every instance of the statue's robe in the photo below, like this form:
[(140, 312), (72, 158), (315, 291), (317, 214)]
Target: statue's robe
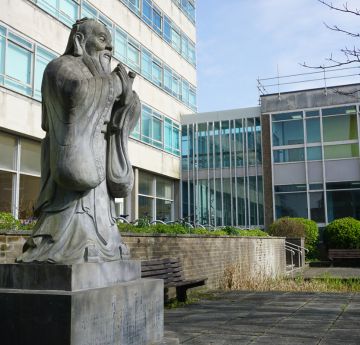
[(84, 165)]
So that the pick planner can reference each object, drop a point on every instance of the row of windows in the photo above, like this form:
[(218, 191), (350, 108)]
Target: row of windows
[(316, 153), (163, 26), (22, 63), (157, 130), (187, 7), (68, 11), (341, 199), (225, 144), (131, 53), (331, 133)]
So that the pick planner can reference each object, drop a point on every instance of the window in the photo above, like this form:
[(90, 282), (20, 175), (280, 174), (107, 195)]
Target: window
[(167, 79), (317, 207), (146, 124), (157, 72), (167, 29), (339, 128), (345, 203), (185, 92), (18, 71), (133, 55), (26, 175), (175, 40), (341, 151), (313, 130), (157, 21), (146, 64), (18, 67), (192, 54), (156, 199), (192, 98), (135, 6), (176, 86), (42, 58), (291, 205), (287, 116), (288, 133), (147, 11), (184, 47), (314, 153), (290, 155), (120, 45), (64, 10)]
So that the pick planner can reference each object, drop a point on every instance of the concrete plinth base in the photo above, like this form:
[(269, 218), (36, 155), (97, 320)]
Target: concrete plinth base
[(117, 309)]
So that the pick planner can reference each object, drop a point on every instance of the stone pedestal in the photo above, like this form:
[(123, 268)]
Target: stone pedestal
[(84, 304)]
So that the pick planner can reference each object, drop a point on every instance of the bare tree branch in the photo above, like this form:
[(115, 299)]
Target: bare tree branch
[(344, 9), (337, 29)]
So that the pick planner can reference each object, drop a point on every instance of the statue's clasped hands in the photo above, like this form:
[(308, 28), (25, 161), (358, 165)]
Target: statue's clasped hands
[(126, 79)]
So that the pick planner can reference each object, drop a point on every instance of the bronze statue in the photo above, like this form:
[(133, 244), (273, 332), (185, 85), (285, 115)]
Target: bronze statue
[(88, 112)]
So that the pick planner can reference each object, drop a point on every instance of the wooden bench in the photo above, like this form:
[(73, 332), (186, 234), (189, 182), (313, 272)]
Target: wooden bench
[(171, 271), (343, 254)]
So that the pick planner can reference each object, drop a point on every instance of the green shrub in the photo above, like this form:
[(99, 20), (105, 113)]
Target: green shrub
[(343, 233), (177, 228), (8, 222), (287, 227), (297, 227)]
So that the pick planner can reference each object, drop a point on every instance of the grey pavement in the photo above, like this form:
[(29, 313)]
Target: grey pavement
[(276, 318), (338, 272)]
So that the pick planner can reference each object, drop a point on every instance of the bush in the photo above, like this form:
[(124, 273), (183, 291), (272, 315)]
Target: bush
[(8, 222), (343, 233), (287, 227), (181, 229), (297, 227)]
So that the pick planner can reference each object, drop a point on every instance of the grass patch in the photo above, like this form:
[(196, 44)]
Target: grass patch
[(234, 279)]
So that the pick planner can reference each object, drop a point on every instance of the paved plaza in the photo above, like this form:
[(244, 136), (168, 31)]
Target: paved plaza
[(276, 318)]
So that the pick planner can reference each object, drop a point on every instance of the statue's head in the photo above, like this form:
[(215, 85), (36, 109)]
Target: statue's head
[(91, 40)]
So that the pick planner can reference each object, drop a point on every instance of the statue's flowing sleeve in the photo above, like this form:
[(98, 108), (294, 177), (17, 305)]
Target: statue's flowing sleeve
[(119, 174)]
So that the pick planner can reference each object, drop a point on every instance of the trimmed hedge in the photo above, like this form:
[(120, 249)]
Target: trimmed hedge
[(178, 229), (297, 227), (343, 233)]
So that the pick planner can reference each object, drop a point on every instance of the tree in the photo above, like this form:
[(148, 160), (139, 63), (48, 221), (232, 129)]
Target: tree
[(351, 55)]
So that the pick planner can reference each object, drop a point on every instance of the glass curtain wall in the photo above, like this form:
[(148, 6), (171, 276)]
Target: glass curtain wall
[(316, 136), (222, 164)]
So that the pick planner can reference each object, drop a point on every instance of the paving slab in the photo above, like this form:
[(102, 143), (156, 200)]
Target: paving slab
[(275, 318)]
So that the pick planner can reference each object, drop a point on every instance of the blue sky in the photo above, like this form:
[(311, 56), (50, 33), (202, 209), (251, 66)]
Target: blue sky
[(241, 40)]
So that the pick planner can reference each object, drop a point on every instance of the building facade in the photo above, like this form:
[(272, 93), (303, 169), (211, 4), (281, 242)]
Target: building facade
[(296, 155), (222, 168), (156, 39)]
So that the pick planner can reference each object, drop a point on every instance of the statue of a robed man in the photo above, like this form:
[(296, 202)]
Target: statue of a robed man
[(88, 112)]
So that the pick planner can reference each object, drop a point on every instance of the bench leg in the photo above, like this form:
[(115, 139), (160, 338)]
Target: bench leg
[(181, 294)]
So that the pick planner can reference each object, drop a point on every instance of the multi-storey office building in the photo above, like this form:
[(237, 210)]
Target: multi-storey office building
[(297, 155), (156, 39), (311, 154)]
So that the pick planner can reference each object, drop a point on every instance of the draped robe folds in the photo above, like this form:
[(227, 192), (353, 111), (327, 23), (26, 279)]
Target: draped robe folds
[(85, 165)]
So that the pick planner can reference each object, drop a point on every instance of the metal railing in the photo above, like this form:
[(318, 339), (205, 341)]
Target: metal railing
[(322, 77), (293, 248)]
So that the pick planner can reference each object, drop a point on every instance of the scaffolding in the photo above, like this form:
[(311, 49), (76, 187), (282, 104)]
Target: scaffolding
[(322, 77)]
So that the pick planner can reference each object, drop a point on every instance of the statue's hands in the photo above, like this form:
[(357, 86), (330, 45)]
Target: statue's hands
[(126, 81)]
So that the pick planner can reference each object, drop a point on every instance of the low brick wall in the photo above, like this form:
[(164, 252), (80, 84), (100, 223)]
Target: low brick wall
[(201, 256)]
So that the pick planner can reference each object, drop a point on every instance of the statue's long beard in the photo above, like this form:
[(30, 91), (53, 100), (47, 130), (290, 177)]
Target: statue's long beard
[(98, 66)]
